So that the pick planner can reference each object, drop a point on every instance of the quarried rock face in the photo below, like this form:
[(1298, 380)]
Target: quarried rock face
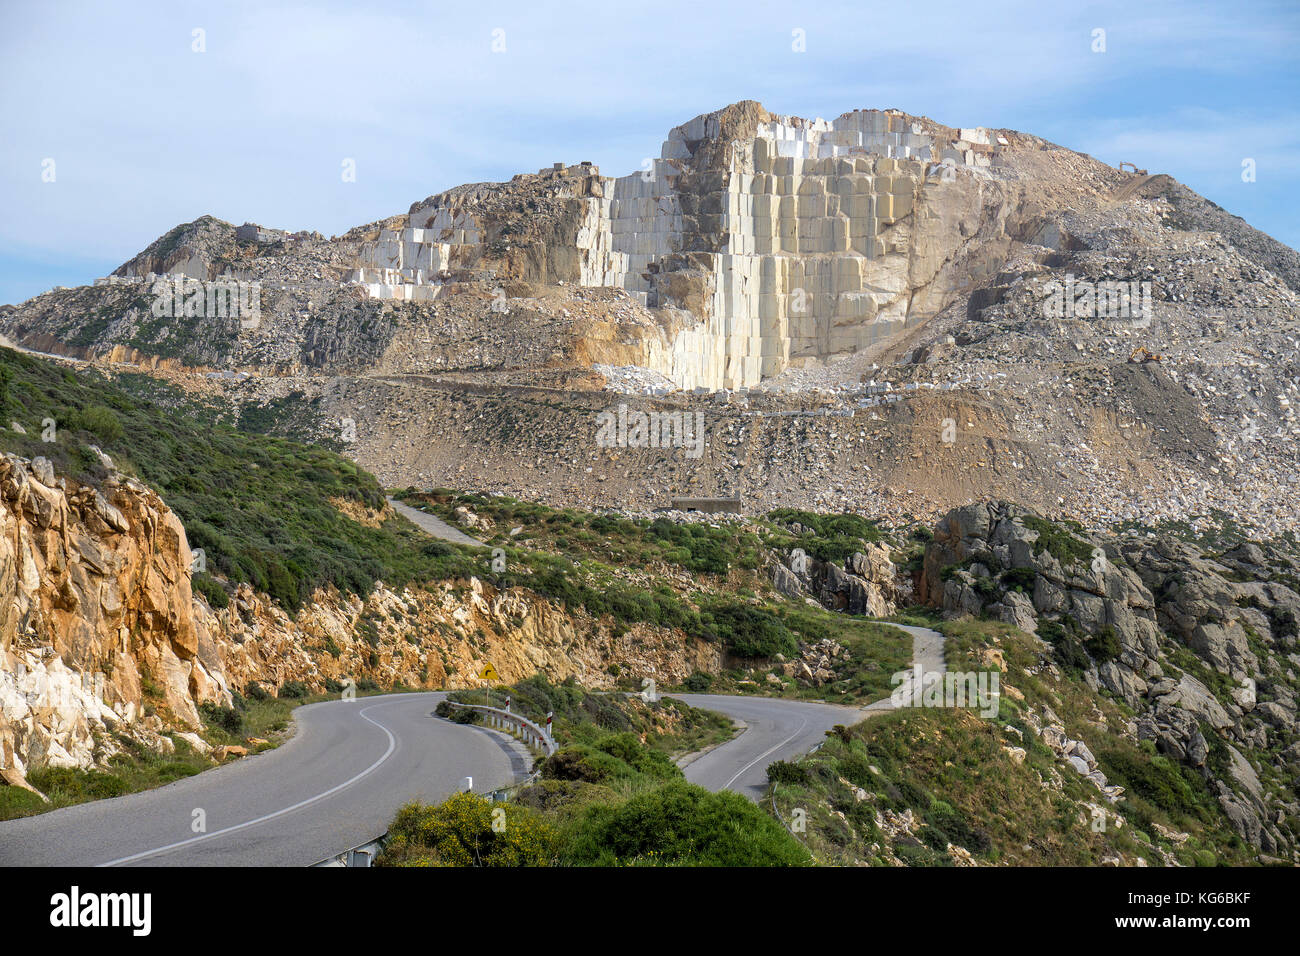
[(779, 240)]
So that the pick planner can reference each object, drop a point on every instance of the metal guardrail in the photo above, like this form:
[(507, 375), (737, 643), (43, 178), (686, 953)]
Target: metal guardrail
[(363, 855), (496, 718), (531, 734)]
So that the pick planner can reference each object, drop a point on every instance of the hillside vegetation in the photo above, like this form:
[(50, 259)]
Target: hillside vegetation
[(943, 787), (610, 796), (261, 508)]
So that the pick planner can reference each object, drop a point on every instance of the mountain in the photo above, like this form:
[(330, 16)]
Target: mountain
[(869, 310)]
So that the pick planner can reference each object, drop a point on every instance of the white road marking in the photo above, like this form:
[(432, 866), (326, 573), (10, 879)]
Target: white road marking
[(802, 723), (392, 745)]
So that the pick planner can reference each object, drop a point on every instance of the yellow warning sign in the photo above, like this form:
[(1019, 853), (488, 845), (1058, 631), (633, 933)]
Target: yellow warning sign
[(489, 673)]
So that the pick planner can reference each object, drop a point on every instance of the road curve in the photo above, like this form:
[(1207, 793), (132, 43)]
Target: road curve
[(775, 729), (335, 784), (339, 780), (782, 729)]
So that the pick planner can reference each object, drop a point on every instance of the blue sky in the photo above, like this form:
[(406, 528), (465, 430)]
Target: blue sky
[(146, 133)]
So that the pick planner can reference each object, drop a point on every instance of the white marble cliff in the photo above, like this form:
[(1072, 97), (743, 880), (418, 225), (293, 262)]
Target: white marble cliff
[(790, 243)]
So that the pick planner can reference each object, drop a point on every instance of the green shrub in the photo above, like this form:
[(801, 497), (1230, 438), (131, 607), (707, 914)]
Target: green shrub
[(1019, 579), (699, 682), (74, 785), (18, 802), (1058, 542), (294, 690), (681, 824), (1104, 645), (226, 718), (1158, 780), (99, 421), (585, 763), (954, 827), (457, 715), (628, 748), (781, 771), (211, 589), (749, 630), (460, 832), (1068, 649)]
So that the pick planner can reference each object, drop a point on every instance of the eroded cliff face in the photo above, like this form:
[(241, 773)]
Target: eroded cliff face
[(96, 613), (438, 636), (101, 636)]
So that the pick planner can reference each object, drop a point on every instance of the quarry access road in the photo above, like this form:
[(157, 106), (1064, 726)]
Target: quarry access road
[(337, 783), (431, 524), (775, 728)]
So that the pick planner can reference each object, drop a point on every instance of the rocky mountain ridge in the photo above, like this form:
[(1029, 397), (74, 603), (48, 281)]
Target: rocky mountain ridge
[(1200, 646)]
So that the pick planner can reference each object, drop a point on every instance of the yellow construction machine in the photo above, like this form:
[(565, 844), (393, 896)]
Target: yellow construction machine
[(1143, 354)]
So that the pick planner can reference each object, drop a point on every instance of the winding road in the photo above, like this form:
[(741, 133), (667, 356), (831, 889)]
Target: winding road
[(774, 729), (779, 729), (340, 779)]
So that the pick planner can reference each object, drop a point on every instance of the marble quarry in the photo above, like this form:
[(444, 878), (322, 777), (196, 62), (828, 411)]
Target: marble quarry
[(794, 242)]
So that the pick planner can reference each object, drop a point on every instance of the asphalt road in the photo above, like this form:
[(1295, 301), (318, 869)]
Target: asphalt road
[(335, 784), (775, 729)]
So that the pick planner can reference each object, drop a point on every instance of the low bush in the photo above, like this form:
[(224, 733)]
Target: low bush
[(681, 824), (467, 830), (781, 771), (699, 682)]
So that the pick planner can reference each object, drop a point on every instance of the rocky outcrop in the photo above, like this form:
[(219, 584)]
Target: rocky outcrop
[(997, 558), (440, 635), (867, 582), (1141, 617), (1074, 753), (815, 665), (96, 619)]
